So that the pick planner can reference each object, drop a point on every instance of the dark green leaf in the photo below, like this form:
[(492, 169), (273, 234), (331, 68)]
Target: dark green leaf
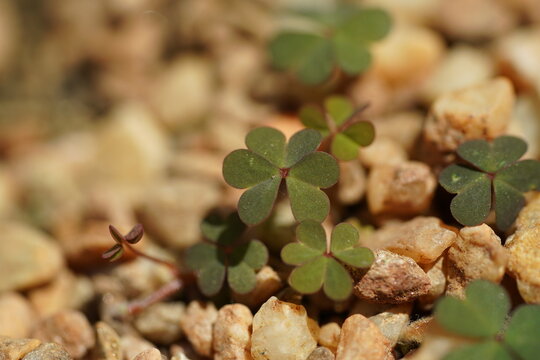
[(225, 231), (268, 143), (313, 118), (210, 278), (351, 54), (300, 144), (256, 203), (508, 203), (298, 254), (337, 282), (253, 253), (200, 255), (359, 257), (455, 178), (344, 236), (481, 314), (307, 201), (492, 157), (310, 56), (241, 278), (309, 277), (489, 350), (523, 332), (311, 233), (367, 25), (362, 133), (507, 150), (243, 169), (471, 206), (339, 108), (523, 175), (318, 169)]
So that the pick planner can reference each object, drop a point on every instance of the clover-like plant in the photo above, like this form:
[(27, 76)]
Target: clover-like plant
[(319, 262), (225, 255), (268, 160), (483, 315), (342, 37), (495, 176), (339, 122)]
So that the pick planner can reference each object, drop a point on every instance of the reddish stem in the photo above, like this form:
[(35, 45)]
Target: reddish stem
[(160, 294), (174, 269)]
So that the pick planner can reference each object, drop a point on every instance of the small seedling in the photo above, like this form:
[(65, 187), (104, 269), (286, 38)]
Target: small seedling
[(483, 315), (131, 238), (225, 255), (342, 38), (269, 160), (319, 264), (340, 124), (497, 177)]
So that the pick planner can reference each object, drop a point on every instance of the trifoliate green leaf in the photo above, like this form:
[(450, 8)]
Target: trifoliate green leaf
[(268, 143), (307, 201), (492, 157), (210, 278), (256, 203), (481, 314), (523, 331), (241, 278), (309, 277), (222, 230), (253, 253), (489, 350), (367, 25), (200, 255), (318, 169), (508, 203), (351, 55), (337, 281), (339, 108), (300, 144), (312, 234), (313, 118), (243, 169)]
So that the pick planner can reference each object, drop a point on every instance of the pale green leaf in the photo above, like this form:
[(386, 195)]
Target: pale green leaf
[(308, 278), (339, 108), (313, 118), (344, 236), (312, 234), (298, 254), (241, 278), (359, 257), (307, 201), (367, 25), (343, 148), (523, 332), (351, 55), (489, 350), (337, 282)]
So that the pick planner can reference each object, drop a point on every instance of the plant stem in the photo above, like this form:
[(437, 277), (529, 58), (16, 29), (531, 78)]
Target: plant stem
[(163, 292), (174, 269)]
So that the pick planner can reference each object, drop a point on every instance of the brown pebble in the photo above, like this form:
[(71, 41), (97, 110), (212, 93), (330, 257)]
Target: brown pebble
[(49, 351)]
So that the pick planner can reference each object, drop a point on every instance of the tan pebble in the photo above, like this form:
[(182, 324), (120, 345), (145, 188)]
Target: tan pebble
[(383, 150), (524, 249), (480, 111), (29, 257), (197, 325), (268, 283), (16, 315), (49, 351), (16, 348), (329, 336), (423, 239), (392, 279), (68, 328), (281, 331), (232, 333), (108, 346), (321, 353), (476, 254), (352, 182), (402, 127), (415, 332), (437, 276), (402, 189), (133, 345), (361, 339), (150, 354), (160, 323), (141, 277), (393, 322)]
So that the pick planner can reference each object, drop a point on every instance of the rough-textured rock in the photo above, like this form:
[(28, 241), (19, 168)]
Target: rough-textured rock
[(423, 239), (268, 283), (476, 254), (281, 331), (133, 345), (108, 345), (361, 339), (197, 326), (150, 354), (160, 323), (402, 189), (481, 111), (392, 279), (66, 291), (415, 332), (352, 182), (16, 315), (141, 277), (68, 328), (437, 276), (449, 75), (329, 336), (49, 351), (383, 150), (321, 353), (524, 249), (475, 19), (232, 333), (29, 257), (16, 348), (392, 322), (402, 127)]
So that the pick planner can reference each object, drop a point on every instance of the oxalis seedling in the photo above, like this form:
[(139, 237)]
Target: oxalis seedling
[(341, 38), (340, 125), (319, 264), (268, 161), (225, 255), (494, 179), (483, 315)]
